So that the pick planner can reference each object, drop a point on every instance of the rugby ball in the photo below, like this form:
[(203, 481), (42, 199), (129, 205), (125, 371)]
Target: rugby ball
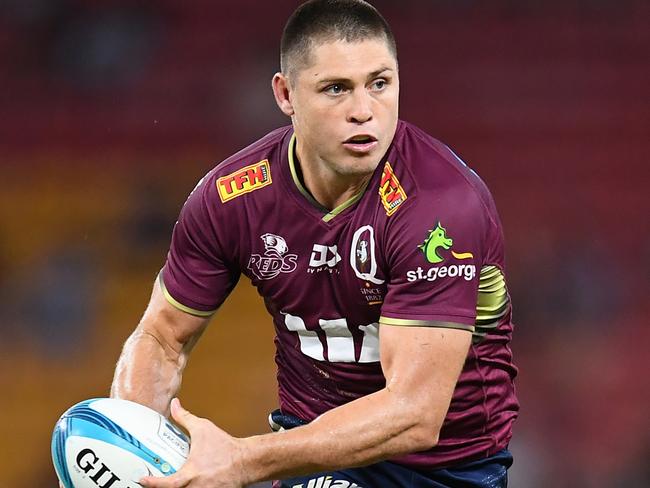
[(110, 443)]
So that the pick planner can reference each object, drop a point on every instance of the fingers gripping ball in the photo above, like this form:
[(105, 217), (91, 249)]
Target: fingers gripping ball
[(110, 443)]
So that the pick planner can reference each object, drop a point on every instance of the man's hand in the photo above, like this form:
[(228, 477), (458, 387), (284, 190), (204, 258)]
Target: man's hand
[(214, 460)]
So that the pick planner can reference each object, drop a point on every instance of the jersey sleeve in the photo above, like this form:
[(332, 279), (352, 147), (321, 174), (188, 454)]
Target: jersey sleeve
[(197, 276), (434, 249)]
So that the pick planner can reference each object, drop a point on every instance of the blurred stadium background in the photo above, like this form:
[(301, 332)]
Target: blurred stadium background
[(111, 110)]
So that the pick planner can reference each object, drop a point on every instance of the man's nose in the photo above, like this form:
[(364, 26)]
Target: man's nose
[(361, 109)]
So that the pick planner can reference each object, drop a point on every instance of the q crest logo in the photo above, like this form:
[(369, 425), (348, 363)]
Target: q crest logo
[(275, 259), (364, 264)]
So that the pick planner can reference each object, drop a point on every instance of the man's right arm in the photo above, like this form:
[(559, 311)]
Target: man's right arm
[(151, 365)]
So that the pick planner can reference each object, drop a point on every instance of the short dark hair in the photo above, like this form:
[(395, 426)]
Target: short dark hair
[(329, 20)]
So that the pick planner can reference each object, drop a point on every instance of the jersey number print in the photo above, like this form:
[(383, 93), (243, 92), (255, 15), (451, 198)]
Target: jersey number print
[(340, 343)]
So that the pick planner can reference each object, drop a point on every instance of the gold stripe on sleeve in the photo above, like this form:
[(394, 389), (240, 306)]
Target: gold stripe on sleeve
[(492, 305), (179, 305), (424, 323)]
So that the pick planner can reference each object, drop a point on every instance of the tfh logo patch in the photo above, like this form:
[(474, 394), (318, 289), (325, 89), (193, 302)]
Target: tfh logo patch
[(244, 180)]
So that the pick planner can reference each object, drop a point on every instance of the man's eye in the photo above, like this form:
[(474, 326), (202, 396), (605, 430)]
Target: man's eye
[(379, 84), (335, 89)]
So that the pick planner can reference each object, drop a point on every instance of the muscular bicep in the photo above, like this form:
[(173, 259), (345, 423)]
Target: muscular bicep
[(422, 365), (150, 368), (176, 329)]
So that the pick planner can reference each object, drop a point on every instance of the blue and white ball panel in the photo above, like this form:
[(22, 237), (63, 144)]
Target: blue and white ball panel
[(152, 429), (109, 443), (104, 464)]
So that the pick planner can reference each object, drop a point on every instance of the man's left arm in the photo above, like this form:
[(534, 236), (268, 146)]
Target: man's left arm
[(421, 366)]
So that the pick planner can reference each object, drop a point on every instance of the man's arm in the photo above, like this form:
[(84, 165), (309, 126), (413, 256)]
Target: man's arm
[(150, 368), (421, 366)]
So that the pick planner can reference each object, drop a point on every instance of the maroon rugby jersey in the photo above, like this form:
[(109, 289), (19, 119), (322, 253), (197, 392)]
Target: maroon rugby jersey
[(421, 245)]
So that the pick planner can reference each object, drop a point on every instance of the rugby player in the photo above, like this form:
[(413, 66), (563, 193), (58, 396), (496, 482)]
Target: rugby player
[(379, 255)]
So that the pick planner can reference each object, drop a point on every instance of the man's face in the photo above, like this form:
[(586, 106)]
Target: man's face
[(345, 105)]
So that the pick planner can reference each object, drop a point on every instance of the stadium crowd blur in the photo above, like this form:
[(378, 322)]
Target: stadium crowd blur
[(111, 110)]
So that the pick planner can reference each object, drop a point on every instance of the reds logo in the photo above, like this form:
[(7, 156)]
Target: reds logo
[(275, 244), (275, 259)]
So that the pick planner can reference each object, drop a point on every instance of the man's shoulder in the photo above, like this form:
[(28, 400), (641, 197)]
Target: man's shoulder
[(263, 147), (428, 165), (250, 168), (428, 158)]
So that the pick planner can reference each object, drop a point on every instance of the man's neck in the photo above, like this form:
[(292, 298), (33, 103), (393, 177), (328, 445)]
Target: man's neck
[(328, 188)]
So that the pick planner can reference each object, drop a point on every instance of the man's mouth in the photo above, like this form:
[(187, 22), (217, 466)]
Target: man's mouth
[(361, 143)]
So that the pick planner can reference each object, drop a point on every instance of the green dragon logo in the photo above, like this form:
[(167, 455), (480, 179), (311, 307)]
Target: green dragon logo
[(437, 238)]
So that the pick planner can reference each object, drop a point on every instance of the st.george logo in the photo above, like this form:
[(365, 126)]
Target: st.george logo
[(437, 239), (275, 260)]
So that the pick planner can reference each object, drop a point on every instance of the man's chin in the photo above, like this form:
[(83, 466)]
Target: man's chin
[(358, 166)]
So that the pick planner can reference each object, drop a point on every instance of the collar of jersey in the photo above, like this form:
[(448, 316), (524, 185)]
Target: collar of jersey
[(329, 214)]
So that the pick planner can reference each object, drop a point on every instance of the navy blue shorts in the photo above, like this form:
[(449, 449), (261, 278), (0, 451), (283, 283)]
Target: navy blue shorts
[(491, 472)]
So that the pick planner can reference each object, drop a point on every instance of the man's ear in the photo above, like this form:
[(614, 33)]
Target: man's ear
[(281, 91)]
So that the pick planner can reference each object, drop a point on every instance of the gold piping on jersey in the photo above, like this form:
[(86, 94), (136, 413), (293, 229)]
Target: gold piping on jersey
[(244, 180), (492, 305), (175, 303), (424, 323), (329, 214)]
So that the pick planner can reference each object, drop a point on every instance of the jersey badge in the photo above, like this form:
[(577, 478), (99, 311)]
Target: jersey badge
[(364, 264), (390, 190), (275, 260), (362, 255), (244, 180), (436, 240), (324, 258)]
